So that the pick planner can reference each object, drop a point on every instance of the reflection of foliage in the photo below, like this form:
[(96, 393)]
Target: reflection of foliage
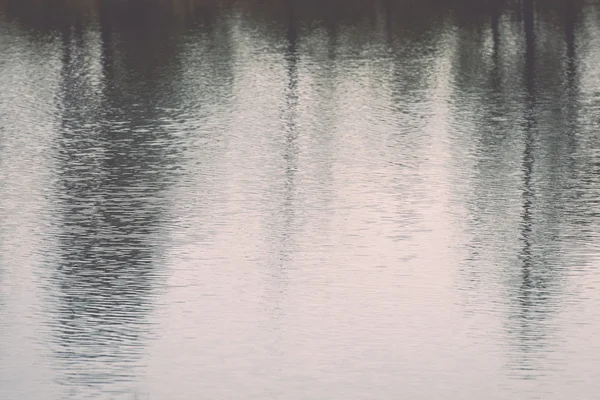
[(512, 62), (152, 16), (113, 163), (518, 62)]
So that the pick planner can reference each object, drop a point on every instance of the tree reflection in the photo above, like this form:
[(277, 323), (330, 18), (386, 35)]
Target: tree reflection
[(287, 211), (115, 160), (291, 145), (524, 149), (529, 287), (515, 99)]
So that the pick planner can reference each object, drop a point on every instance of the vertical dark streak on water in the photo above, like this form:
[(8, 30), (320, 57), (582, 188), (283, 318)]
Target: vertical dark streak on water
[(388, 10), (284, 232), (570, 20), (331, 27), (291, 130), (495, 21), (495, 25), (106, 37), (291, 145), (528, 285), (571, 104), (73, 304)]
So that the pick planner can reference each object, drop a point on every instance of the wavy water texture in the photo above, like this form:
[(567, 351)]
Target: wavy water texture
[(355, 199)]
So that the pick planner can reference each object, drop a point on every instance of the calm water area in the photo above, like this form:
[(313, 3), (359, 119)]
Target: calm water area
[(299, 199)]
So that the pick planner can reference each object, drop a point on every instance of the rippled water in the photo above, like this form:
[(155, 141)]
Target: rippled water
[(299, 199)]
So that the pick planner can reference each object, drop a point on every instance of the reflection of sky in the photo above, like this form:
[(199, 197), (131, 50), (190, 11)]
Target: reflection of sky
[(28, 78), (363, 212)]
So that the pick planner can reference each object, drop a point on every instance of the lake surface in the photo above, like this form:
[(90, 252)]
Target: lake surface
[(299, 199)]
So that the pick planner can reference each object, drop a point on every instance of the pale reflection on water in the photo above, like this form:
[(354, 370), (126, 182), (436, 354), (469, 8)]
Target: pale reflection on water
[(299, 200)]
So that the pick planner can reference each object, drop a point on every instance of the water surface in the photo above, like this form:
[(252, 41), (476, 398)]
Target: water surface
[(299, 199)]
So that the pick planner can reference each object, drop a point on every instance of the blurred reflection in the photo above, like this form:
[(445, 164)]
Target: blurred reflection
[(291, 147), (291, 136), (539, 139), (374, 159), (114, 162), (284, 224), (531, 294)]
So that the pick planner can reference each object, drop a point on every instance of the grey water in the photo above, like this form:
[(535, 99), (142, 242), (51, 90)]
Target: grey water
[(358, 199)]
